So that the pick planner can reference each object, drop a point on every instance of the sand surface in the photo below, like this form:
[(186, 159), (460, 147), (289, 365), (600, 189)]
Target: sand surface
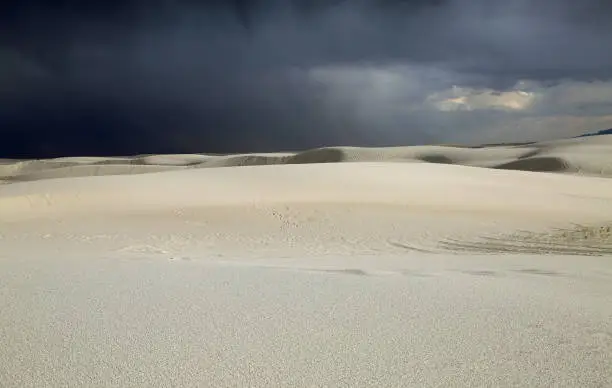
[(404, 266), (580, 156)]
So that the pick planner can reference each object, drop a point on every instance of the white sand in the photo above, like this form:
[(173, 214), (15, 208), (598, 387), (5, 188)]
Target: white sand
[(162, 271)]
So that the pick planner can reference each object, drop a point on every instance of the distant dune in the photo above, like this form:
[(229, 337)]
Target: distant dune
[(598, 133), (581, 156)]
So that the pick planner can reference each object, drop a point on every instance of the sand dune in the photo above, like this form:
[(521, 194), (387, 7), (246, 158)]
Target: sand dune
[(313, 203), (88, 170), (582, 156), (341, 266), (318, 192)]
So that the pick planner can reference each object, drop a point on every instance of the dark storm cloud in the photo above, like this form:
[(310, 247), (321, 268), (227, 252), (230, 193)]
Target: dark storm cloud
[(222, 76)]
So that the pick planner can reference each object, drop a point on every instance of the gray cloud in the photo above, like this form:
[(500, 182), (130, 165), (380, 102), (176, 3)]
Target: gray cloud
[(263, 75)]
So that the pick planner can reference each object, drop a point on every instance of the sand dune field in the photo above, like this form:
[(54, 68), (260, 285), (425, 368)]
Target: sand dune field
[(342, 266)]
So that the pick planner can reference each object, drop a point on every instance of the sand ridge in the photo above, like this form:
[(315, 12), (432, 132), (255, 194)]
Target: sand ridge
[(582, 156)]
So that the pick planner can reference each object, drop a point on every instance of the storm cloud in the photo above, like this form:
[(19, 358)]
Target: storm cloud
[(243, 76)]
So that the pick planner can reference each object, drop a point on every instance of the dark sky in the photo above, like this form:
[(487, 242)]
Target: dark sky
[(151, 76)]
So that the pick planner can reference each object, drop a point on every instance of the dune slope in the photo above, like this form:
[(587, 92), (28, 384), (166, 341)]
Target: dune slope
[(349, 207)]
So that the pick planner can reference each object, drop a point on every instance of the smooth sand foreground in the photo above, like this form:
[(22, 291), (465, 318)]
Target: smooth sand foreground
[(268, 270), (414, 320)]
